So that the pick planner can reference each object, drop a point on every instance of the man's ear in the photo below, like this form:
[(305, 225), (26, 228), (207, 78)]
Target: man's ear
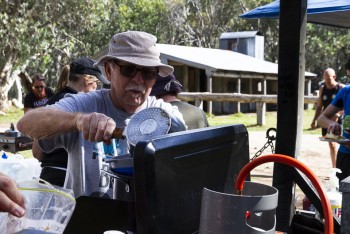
[(108, 68), (86, 81)]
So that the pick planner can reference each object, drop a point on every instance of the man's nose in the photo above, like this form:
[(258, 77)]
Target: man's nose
[(138, 78)]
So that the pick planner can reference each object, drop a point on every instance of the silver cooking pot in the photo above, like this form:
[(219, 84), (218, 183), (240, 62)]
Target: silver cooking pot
[(145, 125), (148, 124)]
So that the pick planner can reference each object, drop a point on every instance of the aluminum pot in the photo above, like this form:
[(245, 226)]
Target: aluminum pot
[(146, 124), (150, 123)]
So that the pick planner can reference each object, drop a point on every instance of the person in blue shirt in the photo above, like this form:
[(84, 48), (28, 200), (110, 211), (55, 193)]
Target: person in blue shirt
[(326, 120)]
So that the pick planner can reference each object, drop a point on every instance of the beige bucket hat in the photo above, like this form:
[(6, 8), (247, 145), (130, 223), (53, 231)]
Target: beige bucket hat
[(138, 48)]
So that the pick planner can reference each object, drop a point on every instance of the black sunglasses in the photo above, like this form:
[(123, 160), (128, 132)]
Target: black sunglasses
[(39, 87), (131, 70)]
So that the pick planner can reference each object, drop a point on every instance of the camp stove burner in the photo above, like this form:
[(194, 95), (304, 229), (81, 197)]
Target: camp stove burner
[(13, 141)]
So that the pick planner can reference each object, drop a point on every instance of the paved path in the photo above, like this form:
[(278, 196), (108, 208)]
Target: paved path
[(313, 152)]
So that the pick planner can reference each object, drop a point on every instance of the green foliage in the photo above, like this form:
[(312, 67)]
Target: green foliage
[(140, 14), (328, 47), (44, 35), (325, 46)]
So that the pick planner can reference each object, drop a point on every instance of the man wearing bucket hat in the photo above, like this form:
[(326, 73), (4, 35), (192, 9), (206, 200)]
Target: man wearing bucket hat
[(82, 121), (167, 89)]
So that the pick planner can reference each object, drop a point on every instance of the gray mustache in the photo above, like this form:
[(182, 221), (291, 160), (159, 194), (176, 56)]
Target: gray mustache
[(138, 88)]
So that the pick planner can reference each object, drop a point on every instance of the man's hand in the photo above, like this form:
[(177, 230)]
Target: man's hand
[(334, 128), (313, 124), (95, 126)]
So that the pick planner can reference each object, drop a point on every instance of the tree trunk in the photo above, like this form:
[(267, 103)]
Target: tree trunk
[(26, 81), (6, 82)]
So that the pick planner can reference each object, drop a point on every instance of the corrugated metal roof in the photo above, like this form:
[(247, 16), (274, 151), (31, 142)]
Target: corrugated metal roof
[(245, 34), (218, 59)]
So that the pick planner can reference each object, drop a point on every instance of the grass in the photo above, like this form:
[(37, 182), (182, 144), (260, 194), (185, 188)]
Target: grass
[(12, 116), (248, 119)]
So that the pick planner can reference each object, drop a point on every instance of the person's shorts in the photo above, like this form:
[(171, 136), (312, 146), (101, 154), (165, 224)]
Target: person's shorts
[(324, 131)]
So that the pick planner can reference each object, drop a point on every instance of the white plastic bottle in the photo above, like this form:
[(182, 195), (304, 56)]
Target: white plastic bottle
[(334, 196)]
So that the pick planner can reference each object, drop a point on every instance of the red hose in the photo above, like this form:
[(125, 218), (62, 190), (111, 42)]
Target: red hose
[(326, 206)]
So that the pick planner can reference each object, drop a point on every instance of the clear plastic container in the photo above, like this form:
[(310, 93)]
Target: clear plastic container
[(19, 168), (48, 208)]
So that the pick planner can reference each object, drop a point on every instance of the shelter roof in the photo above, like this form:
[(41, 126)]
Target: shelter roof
[(245, 34), (218, 59)]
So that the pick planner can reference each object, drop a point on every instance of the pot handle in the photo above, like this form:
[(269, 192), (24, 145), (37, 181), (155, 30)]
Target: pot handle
[(118, 133)]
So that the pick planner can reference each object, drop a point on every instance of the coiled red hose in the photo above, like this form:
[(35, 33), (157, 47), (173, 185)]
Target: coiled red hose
[(326, 206)]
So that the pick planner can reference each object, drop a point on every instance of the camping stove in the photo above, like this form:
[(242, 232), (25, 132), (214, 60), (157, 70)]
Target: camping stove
[(13, 141)]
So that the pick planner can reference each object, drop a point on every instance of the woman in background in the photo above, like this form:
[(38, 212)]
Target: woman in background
[(39, 94)]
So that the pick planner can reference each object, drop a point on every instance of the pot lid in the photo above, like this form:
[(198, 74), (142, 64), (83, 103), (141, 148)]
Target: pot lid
[(148, 124)]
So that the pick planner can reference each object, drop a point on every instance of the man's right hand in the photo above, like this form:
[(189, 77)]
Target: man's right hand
[(95, 126)]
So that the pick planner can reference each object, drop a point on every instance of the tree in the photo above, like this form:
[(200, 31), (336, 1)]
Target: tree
[(42, 35), (326, 47), (199, 22)]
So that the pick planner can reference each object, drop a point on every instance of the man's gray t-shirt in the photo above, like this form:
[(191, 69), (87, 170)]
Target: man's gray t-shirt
[(86, 172)]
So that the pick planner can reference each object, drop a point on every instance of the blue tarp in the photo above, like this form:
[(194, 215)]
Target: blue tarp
[(327, 12)]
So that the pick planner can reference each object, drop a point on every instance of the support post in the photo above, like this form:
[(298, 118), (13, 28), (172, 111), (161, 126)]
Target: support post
[(185, 78), (210, 90), (260, 113), (238, 91), (290, 103)]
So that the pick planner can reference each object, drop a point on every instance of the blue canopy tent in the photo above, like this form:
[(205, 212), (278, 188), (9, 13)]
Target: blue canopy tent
[(327, 12)]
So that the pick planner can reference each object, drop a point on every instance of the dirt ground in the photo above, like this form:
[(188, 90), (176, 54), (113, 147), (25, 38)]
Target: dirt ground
[(313, 153)]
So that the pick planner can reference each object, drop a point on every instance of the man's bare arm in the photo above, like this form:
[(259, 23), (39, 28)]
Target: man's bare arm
[(36, 150), (47, 121), (326, 120)]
